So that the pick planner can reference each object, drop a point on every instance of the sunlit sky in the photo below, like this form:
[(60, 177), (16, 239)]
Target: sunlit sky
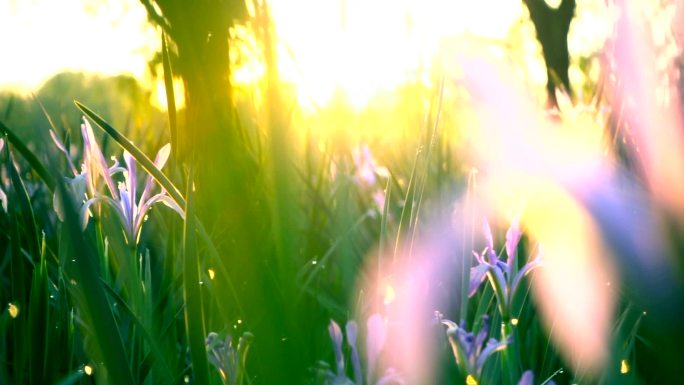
[(359, 47), (39, 38)]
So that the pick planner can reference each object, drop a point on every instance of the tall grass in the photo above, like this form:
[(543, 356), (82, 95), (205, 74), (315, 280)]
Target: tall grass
[(268, 248)]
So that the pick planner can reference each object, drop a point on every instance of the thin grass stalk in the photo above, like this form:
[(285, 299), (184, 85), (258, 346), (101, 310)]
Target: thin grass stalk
[(192, 295), (426, 160), (170, 97), (144, 331)]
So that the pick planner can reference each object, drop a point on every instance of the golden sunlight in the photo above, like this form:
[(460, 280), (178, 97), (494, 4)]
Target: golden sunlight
[(359, 49), (42, 38)]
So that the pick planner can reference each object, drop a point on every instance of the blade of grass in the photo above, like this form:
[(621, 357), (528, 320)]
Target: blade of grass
[(192, 296), (170, 96), (38, 319), (152, 341), (72, 378), (91, 297), (33, 161)]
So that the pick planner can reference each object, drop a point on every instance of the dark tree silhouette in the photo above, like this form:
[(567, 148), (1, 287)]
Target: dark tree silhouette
[(231, 188), (552, 26)]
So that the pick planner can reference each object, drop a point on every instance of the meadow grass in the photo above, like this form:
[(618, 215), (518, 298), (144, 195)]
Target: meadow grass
[(89, 296)]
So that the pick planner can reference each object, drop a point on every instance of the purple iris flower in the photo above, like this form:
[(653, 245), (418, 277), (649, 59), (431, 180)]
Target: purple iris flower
[(470, 350), (503, 275), (123, 198), (375, 341)]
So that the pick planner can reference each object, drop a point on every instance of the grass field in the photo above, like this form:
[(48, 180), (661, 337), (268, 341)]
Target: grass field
[(450, 230)]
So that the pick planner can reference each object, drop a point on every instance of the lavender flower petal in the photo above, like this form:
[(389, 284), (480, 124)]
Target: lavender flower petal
[(352, 330), (527, 378), (336, 337), (489, 240), (512, 238), (375, 341), (477, 276)]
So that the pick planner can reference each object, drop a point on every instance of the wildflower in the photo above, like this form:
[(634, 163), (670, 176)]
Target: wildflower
[(367, 169), (229, 361), (502, 275), (527, 378), (374, 343), (130, 209), (367, 174), (470, 350), (84, 183)]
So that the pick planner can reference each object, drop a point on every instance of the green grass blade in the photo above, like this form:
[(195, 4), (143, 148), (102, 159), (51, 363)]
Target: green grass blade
[(192, 295), (90, 297), (38, 318), (170, 97), (33, 161), (139, 156), (72, 378), (151, 340)]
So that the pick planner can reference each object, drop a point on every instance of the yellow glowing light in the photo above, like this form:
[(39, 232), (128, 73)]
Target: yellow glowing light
[(389, 295), (470, 380), (624, 367), (109, 38), (88, 370), (514, 321), (360, 48), (212, 273), (13, 310), (160, 94)]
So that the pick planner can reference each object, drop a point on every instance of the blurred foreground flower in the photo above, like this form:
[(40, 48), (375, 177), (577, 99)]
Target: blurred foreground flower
[(375, 341), (368, 174), (229, 361)]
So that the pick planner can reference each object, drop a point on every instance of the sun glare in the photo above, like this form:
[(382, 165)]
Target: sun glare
[(42, 38), (349, 50), (359, 48)]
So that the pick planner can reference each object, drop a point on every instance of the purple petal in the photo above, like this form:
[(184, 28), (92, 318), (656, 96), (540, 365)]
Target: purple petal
[(529, 266), (95, 160), (482, 335), (375, 341), (159, 162), (352, 331), (477, 276), (492, 347), (512, 238), (527, 378), (336, 337), (479, 258), (487, 232), (131, 181)]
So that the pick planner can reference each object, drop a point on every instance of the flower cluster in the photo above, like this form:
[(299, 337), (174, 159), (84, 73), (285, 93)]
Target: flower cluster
[(375, 341), (229, 361)]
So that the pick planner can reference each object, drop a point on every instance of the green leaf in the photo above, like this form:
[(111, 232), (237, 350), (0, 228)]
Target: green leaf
[(90, 297), (33, 161)]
